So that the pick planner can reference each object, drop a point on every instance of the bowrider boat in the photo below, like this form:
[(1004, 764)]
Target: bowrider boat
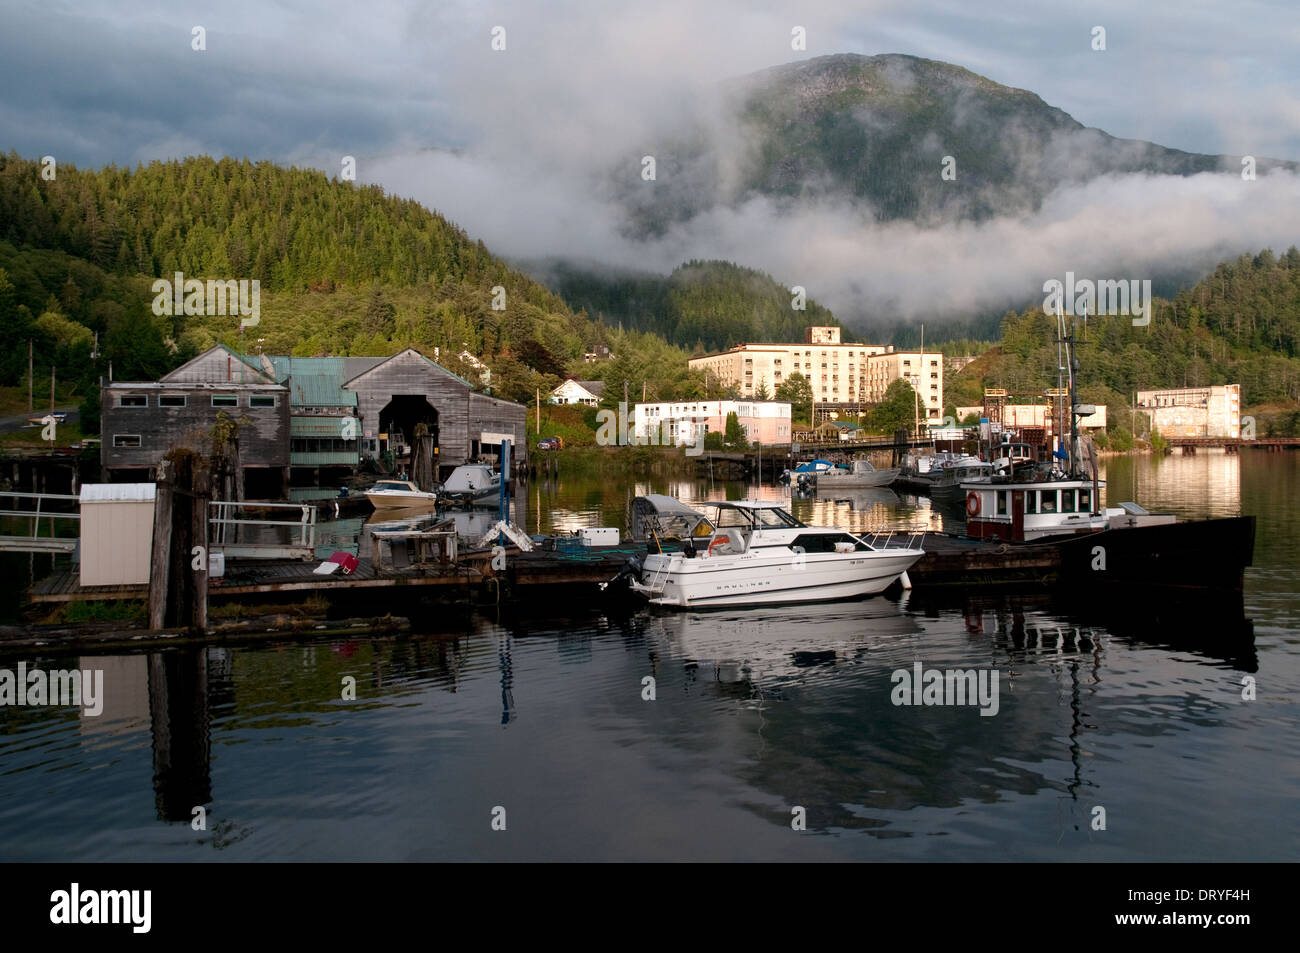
[(399, 495), (754, 552)]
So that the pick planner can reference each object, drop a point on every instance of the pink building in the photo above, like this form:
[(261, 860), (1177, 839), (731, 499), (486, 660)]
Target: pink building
[(686, 422)]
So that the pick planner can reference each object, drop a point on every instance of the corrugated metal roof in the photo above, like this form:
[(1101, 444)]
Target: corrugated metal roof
[(118, 492), (315, 381), (317, 426)]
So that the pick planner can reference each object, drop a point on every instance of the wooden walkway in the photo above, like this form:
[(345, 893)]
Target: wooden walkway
[(242, 579)]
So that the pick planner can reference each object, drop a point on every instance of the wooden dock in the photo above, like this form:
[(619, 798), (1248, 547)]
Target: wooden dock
[(472, 574)]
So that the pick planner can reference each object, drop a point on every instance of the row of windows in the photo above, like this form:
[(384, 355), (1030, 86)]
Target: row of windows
[(1050, 501), (322, 445), (182, 400)]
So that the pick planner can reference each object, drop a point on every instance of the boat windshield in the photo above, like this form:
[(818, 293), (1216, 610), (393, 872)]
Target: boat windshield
[(735, 517), (392, 486)]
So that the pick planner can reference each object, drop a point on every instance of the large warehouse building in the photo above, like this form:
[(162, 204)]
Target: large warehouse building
[(306, 414)]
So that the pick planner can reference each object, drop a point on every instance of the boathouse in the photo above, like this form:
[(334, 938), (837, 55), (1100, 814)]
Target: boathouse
[(302, 416)]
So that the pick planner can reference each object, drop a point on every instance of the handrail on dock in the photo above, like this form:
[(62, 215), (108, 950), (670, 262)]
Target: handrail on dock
[(35, 543), (224, 530)]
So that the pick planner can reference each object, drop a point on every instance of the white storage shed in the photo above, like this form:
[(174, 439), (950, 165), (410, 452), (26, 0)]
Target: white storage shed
[(116, 533)]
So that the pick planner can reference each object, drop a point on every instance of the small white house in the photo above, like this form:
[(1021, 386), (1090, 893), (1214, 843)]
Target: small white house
[(116, 533), (578, 392)]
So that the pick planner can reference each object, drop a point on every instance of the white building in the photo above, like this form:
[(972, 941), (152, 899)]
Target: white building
[(842, 376), (1194, 411), (578, 392)]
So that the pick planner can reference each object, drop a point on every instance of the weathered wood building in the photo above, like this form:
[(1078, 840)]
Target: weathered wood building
[(141, 421), (300, 416), (407, 389)]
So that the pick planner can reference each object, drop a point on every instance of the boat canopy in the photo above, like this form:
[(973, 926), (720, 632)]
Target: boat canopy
[(666, 517)]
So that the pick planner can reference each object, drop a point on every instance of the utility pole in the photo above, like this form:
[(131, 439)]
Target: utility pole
[(31, 406), (539, 410)]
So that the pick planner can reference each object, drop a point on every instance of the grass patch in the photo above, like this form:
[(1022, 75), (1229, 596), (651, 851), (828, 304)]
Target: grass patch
[(64, 436), (114, 610)]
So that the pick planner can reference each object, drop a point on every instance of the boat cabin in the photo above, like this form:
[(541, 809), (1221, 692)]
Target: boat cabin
[(1015, 512)]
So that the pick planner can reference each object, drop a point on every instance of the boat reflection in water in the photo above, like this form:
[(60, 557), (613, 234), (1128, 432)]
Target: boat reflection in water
[(1213, 624), (765, 645)]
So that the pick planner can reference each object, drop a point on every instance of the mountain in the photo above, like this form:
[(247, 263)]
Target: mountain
[(702, 306), (873, 132)]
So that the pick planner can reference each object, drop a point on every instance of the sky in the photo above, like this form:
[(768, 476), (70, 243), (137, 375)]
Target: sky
[(515, 144)]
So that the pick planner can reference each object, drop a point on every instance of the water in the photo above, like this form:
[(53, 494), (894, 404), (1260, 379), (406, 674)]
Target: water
[(756, 713)]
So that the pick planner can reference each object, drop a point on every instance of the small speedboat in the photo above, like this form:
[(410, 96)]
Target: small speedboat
[(399, 494), (861, 474)]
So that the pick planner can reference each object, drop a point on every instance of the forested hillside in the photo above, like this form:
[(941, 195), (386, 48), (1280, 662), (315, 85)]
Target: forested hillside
[(348, 270), (702, 306), (1241, 324), (343, 270)]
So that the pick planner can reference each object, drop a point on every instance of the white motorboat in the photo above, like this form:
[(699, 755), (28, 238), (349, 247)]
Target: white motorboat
[(754, 552), (472, 483), (861, 474), (399, 494)]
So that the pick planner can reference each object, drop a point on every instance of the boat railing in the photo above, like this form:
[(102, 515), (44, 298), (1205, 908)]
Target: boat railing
[(884, 539)]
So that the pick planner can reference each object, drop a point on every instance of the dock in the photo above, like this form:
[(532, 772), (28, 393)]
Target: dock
[(472, 578)]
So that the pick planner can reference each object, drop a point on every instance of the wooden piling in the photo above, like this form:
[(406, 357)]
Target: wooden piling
[(162, 537)]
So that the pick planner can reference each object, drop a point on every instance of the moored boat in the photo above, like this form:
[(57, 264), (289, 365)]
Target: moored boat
[(471, 483), (754, 552), (860, 474), (400, 494)]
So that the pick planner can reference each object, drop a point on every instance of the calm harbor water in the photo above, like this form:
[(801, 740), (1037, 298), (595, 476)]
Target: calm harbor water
[(540, 717)]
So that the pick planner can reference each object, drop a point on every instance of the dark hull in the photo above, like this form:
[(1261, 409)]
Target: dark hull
[(1202, 555), (1199, 554)]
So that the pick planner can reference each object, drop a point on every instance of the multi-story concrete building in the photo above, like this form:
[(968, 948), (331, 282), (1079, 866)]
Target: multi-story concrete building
[(923, 371), (686, 422), (844, 377), (1194, 411)]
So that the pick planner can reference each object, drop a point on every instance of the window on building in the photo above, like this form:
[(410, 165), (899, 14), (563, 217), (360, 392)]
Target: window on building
[(171, 400), (261, 401), (133, 400), (126, 440), (225, 400)]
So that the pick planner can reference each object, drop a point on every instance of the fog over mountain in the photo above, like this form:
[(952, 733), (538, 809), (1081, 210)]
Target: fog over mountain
[(829, 173)]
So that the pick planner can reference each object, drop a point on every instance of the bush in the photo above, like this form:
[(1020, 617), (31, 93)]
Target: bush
[(1158, 443), (1101, 439), (1121, 439)]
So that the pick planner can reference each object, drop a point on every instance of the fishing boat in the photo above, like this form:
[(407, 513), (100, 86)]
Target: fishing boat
[(471, 483), (754, 552), (860, 474), (948, 484), (1061, 503), (400, 495)]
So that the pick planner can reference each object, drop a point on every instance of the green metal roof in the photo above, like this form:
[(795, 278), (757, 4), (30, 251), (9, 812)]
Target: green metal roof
[(314, 381)]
